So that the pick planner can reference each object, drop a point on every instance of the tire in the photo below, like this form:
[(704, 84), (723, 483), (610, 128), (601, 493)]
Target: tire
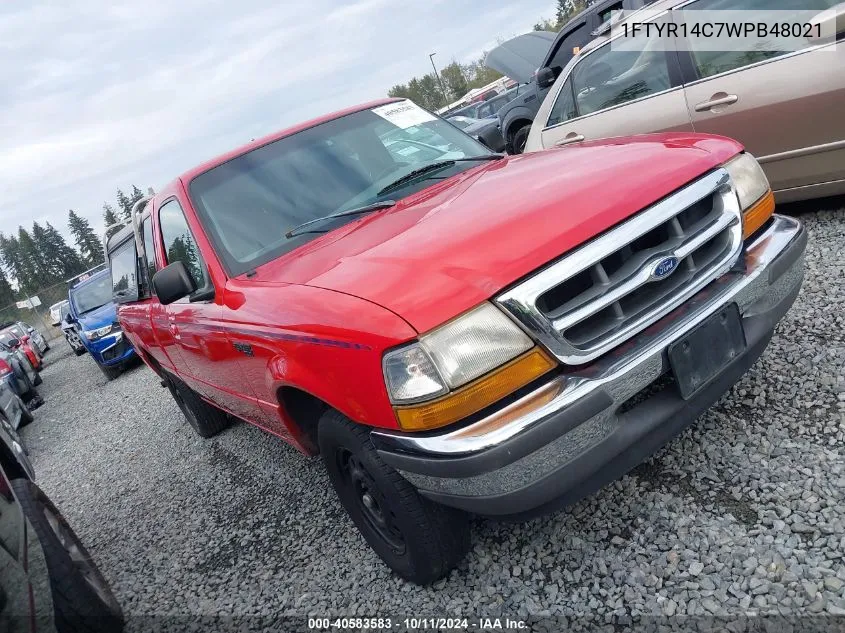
[(204, 418), (110, 372), (82, 600), (38, 379), (26, 414), (520, 137), (75, 344), (419, 540)]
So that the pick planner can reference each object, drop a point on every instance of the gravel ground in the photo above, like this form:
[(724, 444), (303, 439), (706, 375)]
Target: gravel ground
[(741, 515)]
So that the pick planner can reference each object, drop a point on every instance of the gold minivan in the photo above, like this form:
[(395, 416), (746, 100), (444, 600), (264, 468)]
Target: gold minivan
[(787, 108)]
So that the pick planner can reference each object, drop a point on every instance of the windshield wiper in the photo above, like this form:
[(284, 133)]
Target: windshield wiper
[(441, 164), (375, 206)]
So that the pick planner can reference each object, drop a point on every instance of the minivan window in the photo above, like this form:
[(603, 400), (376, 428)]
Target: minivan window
[(248, 204), (123, 264), (179, 243), (610, 76), (709, 63)]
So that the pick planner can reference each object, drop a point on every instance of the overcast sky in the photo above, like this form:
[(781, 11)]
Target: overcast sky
[(96, 95)]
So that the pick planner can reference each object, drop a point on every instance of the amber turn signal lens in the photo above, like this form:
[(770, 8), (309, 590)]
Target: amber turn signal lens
[(757, 214), (476, 395)]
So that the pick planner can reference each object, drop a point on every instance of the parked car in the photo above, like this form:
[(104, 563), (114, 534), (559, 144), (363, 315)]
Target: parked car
[(490, 334), (610, 91), (56, 313), (533, 53), (26, 332), (18, 372), (49, 581), (93, 317), (474, 127), (12, 408), (10, 340)]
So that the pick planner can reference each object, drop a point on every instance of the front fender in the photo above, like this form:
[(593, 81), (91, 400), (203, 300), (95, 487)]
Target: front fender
[(322, 342)]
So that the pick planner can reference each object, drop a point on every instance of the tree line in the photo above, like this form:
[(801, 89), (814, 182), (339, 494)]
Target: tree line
[(433, 91), (36, 258)]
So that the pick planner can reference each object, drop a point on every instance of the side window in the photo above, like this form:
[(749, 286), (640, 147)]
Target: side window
[(179, 243), (564, 106), (609, 76), (123, 264), (576, 38), (149, 246), (709, 63)]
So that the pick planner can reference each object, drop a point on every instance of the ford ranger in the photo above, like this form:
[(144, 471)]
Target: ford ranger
[(456, 331)]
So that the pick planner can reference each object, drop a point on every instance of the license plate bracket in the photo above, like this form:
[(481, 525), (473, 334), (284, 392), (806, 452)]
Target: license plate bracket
[(700, 356)]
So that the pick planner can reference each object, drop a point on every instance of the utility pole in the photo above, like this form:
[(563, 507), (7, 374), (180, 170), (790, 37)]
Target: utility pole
[(439, 80)]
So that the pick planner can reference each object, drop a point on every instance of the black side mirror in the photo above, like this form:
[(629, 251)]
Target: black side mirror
[(173, 282), (545, 77), (493, 139), (13, 342)]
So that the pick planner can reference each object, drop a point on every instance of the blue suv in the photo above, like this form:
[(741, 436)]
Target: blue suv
[(93, 316)]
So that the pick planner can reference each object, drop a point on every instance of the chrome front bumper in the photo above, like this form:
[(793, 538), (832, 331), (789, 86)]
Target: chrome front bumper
[(489, 465)]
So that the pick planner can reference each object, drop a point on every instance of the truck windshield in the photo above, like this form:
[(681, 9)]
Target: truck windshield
[(248, 204), (92, 295)]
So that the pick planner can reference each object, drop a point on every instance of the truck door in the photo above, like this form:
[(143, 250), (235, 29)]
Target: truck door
[(200, 349)]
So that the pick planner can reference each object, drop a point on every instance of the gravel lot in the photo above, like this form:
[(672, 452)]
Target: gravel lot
[(741, 515)]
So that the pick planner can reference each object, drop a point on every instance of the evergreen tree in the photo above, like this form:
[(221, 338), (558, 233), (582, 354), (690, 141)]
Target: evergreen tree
[(70, 261), (109, 219), (36, 267), (124, 203), (7, 295), (9, 251), (137, 194), (87, 242)]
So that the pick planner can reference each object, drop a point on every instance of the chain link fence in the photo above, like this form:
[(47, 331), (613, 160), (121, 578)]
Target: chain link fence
[(38, 316)]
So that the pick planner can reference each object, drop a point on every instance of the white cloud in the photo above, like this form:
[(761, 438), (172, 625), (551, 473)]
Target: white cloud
[(97, 95)]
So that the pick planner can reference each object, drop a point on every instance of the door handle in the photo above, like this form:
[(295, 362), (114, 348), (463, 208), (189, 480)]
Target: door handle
[(570, 138), (715, 102)]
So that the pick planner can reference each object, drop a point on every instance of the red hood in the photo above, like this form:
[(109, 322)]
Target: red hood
[(447, 248)]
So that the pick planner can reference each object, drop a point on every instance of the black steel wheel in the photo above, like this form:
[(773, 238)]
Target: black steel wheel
[(418, 539)]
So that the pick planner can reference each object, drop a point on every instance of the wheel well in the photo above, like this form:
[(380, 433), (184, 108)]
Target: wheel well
[(516, 125), (305, 410)]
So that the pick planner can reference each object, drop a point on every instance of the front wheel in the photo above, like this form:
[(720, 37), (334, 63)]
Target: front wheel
[(520, 138), (419, 540), (82, 600), (75, 343)]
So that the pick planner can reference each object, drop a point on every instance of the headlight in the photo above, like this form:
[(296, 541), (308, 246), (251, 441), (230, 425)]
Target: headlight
[(453, 355), (752, 189), (448, 359), (100, 332)]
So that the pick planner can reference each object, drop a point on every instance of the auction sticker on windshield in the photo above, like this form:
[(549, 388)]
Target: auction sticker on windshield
[(404, 114)]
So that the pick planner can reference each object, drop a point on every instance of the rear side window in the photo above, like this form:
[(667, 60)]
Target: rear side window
[(179, 243), (709, 63), (124, 276)]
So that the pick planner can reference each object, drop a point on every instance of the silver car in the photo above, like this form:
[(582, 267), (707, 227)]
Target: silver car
[(785, 107), (12, 408)]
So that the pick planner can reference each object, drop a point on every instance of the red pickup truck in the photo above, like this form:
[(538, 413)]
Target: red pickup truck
[(453, 330)]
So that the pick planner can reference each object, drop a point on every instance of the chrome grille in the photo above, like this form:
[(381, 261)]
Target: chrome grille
[(606, 291)]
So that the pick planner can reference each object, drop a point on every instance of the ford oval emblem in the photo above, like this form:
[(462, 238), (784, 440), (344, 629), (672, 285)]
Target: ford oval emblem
[(664, 267)]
